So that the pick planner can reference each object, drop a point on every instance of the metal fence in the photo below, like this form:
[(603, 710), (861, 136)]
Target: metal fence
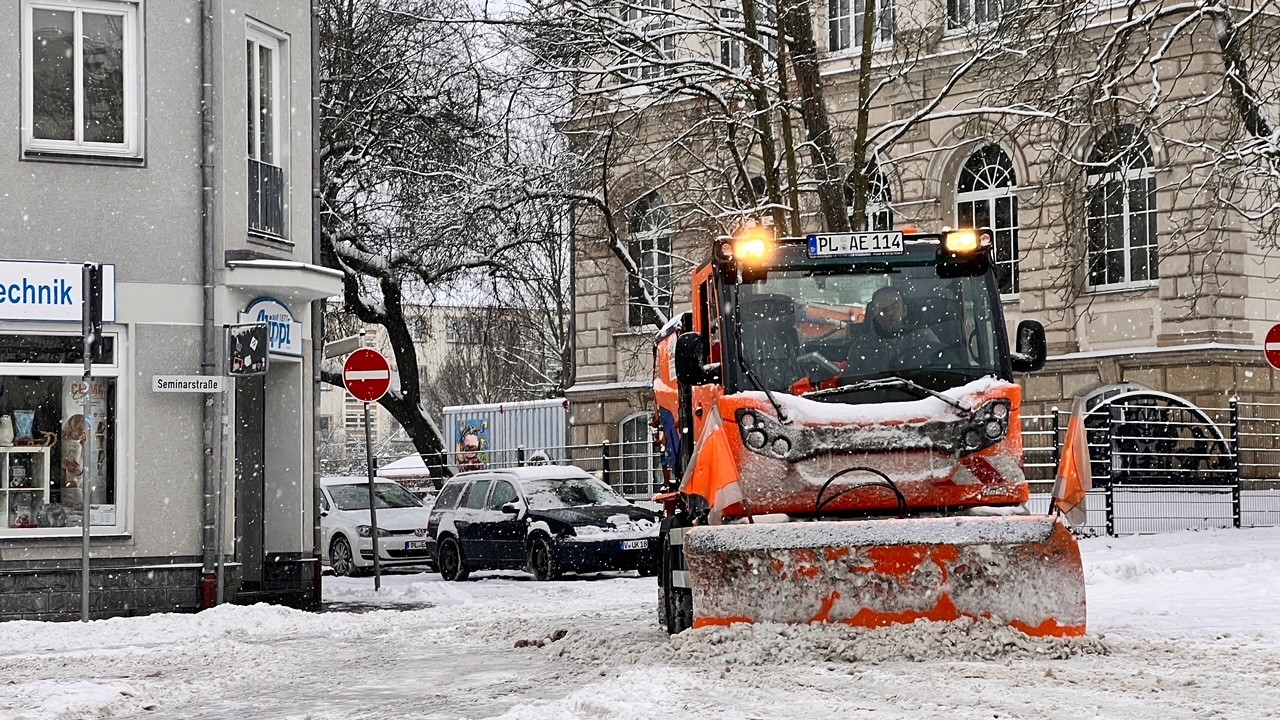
[(1160, 468), (1155, 468)]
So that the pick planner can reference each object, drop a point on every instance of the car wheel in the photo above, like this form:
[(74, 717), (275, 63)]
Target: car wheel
[(341, 558), (452, 568), (542, 559)]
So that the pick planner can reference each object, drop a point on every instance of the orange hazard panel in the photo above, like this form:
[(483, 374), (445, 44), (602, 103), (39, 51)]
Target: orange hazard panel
[(1022, 571)]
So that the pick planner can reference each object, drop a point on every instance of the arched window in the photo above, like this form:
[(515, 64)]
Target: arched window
[(986, 196), (879, 200), (1121, 210), (640, 470), (758, 190), (649, 242)]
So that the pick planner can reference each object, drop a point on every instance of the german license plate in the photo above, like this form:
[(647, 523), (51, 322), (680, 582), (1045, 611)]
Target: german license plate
[(415, 545), (635, 544), (855, 244)]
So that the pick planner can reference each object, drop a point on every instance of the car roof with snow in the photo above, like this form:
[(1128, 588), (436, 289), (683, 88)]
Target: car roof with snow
[(536, 472), (354, 480)]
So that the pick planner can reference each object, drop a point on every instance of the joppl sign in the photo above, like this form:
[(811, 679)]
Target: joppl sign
[(284, 333)]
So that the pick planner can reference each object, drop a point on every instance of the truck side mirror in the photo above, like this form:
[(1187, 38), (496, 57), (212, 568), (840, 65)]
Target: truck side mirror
[(689, 353), (1032, 347)]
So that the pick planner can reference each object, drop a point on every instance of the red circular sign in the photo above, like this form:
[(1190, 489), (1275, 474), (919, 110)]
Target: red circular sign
[(367, 375), (1272, 346)]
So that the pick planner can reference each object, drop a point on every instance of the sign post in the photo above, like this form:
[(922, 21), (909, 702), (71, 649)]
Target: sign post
[(1271, 348), (91, 320), (246, 350), (367, 375)]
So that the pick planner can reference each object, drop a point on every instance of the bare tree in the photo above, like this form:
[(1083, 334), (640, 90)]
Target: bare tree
[(417, 181)]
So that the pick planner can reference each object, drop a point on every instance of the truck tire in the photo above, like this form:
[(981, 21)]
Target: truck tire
[(677, 602)]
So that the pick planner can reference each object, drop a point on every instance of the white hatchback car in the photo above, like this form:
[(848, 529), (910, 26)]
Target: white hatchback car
[(346, 532)]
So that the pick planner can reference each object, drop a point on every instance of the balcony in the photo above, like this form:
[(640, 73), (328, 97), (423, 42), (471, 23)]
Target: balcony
[(266, 199)]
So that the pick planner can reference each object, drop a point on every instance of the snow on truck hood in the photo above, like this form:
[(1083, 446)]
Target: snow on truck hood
[(914, 412)]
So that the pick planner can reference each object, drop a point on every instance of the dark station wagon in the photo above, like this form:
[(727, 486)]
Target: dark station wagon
[(546, 520)]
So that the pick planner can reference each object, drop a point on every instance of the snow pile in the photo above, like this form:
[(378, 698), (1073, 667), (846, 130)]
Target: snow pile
[(768, 644)]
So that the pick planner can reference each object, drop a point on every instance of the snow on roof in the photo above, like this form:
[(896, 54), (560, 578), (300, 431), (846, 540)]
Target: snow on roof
[(514, 405), (347, 480), (534, 472)]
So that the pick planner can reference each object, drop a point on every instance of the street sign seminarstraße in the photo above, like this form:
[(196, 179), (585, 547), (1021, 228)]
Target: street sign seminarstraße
[(189, 383)]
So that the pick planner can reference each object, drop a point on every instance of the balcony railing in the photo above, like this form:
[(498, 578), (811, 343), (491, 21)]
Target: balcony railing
[(266, 198)]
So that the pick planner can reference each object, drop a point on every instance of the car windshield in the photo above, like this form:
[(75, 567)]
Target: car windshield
[(569, 493), (356, 496), (803, 329)]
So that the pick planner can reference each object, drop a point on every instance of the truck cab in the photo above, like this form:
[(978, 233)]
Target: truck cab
[(885, 351)]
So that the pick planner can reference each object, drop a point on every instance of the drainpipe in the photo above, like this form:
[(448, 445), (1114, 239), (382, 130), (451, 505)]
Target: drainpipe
[(317, 306), (208, 340)]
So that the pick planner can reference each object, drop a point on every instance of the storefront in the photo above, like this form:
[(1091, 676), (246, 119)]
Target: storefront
[(44, 439), (138, 472)]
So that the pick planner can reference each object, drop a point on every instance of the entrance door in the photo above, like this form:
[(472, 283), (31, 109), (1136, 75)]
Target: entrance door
[(250, 475)]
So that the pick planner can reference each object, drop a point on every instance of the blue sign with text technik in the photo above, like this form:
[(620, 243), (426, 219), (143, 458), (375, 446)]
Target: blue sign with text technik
[(35, 290), (56, 293)]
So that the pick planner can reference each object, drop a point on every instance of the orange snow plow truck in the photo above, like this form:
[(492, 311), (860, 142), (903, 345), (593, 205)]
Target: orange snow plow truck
[(839, 429)]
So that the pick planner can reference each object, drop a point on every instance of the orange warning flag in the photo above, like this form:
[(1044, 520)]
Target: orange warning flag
[(712, 471), (1074, 479)]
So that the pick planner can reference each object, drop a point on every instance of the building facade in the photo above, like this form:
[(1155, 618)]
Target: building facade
[(173, 143), (1115, 235)]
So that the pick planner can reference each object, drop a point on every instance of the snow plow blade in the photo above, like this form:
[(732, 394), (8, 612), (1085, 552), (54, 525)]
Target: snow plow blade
[(1023, 571)]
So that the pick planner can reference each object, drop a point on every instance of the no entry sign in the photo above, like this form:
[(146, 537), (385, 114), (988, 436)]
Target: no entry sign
[(367, 375), (1272, 346)]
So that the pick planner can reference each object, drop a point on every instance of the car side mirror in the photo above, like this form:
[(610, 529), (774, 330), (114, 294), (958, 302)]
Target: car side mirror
[(1032, 347), (323, 512), (690, 350), (512, 508)]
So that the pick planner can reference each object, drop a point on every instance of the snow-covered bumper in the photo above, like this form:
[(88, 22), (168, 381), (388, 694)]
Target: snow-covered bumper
[(597, 553)]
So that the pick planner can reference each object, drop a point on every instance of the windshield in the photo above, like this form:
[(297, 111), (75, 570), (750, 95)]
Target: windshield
[(356, 496), (803, 330), (570, 493)]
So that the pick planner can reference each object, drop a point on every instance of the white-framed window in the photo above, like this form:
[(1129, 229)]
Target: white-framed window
[(641, 472), (987, 197), (732, 42), (82, 78), (1121, 211), (845, 19), (266, 103), (652, 43), (52, 449), (649, 243), (879, 210), (974, 13)]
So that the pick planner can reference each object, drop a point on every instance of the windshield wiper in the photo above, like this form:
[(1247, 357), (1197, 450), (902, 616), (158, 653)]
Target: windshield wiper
[(889, 382)]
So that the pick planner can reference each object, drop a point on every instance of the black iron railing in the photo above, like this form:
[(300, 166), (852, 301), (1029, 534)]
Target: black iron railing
[(266, 198)]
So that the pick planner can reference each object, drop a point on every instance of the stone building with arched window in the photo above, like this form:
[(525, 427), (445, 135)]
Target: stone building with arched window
[(1123, 228)]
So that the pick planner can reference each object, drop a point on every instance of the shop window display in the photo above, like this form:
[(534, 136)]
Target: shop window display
[(44, 453)]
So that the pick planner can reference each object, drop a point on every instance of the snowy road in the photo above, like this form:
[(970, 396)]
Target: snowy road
[(1181, 626)]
